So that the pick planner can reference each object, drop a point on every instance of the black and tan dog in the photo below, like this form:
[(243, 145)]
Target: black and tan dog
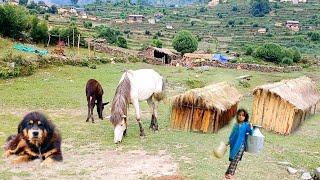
[(37, 138)]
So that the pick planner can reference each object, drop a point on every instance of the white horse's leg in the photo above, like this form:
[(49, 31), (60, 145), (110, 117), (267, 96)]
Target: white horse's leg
[(137, 109), (153, 107)]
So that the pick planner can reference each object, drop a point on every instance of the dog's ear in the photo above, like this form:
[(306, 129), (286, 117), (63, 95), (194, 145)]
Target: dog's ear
[(20, 127)]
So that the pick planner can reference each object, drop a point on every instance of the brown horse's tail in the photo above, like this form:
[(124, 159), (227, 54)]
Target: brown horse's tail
[(160, 95)]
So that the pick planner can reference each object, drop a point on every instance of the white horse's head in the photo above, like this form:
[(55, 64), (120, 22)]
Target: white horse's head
[(120, 126)]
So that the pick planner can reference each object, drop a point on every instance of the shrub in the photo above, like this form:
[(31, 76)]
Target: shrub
[(185, 42), (39, 30), (122, 42), (14, 21), (147, 32), (287, 61), (119, 59), (46, 17), (157, 43), (248, 50), (314, 36), (235, 8), (203, 9), (126, 31), (231, 22), (296, 54), (134, 59), (87, 24), (271, 52), (105, 60), (255, 25)]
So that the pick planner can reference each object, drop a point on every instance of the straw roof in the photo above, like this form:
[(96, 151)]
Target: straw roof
[(300, 92), (220, 96), (163, 50)]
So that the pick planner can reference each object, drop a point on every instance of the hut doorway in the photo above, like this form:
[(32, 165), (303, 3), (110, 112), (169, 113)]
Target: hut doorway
[(165, 57)]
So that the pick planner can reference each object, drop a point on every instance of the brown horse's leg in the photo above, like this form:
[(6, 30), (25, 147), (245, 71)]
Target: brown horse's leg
[(89, 107), (141, 128), (93, 100)]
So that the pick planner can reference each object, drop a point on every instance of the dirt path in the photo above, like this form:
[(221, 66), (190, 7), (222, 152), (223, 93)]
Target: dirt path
[(109, 164)]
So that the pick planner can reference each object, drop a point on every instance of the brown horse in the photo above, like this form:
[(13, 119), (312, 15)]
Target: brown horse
[(94, 92)]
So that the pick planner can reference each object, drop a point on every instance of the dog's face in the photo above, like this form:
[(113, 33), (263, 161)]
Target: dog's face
[(35, 128)]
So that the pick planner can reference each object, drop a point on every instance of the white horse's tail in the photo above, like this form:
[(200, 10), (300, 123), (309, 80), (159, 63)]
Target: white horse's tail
[(160, 95)]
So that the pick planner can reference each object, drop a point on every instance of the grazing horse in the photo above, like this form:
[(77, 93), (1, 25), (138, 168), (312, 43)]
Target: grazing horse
[(94, 92), (135, 86)]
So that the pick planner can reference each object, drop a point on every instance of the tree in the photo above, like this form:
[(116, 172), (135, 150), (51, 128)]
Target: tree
[(39, 30), (87, 24), (185, 42), (53, 9), (74, 2), (270, 52), (23, 2), (122, 42), (260, 7), (108, 34), (13, 21)]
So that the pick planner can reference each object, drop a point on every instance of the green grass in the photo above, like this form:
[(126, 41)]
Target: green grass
[(59, 92)]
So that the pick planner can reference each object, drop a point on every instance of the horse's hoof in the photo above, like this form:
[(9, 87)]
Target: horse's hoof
[(142, 134), (87, 120), (92, 121)]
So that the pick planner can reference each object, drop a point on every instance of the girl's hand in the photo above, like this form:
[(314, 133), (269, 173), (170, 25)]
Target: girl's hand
[(251, 126)]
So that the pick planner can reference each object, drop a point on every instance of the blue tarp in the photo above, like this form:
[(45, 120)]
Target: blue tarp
[(220, 58), (31, 49)]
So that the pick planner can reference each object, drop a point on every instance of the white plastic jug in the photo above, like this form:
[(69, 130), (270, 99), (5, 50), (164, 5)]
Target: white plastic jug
[(255, 141), (219, 151)]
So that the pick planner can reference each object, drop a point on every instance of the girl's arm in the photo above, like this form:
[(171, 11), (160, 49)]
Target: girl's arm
[(250, 128)]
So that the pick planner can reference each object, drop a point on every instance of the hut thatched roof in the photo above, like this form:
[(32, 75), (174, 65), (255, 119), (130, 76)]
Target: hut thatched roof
[(300, 92), (220, 96), (163, 50)]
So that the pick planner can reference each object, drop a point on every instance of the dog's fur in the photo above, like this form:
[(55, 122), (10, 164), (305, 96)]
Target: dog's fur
[(37, 138)]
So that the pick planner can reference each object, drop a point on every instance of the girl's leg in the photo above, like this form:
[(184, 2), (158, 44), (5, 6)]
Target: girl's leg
[(233, 164)]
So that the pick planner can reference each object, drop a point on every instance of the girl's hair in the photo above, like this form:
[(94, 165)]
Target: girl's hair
[(246, 114)]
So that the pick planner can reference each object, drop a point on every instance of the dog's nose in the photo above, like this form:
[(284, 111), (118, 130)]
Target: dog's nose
[(35, 133)]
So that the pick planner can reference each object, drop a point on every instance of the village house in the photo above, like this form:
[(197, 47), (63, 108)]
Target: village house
[(169, 26), (152, 21), (293, 25), (158, 17), (135, 18), (262, 30), (213, 3)]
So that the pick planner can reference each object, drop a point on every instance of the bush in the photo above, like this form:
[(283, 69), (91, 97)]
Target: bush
[(235, 8), (270, 52), (314, 36), (203, 9), (296, 54), (255, 25), (126, 31), (248, 50), (39, 30), (147, 32), (134, 59), (185, 42), (14, 21), (122, 42), (87, 24), (119, 60), (108, 34), (231, 22), (157, 43), (46, 17), (105, 60), (287, 61), (259, 7)]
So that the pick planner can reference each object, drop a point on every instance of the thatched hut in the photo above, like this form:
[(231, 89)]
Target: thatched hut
[(205, 109), (283, 106)]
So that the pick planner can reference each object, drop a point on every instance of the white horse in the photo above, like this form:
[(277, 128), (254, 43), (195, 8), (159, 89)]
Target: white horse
[(135, 86)]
